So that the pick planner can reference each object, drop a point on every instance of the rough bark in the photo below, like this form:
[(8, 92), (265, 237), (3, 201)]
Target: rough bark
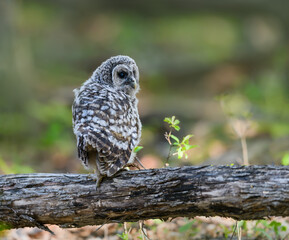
[(71, 200)]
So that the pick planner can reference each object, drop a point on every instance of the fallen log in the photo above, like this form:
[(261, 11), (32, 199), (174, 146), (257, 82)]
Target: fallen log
[(72, 200)]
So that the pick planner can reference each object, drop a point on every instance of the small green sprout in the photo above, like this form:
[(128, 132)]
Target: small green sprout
[(173, 122), (285, 159), (137, 149), (186, 227), (181, 146), (123, 236)]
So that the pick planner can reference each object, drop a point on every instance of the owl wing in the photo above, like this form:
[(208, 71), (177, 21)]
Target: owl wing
[(104, 123)]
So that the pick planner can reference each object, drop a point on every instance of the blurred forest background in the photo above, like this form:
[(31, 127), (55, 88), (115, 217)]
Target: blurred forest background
[(192, 57), (209, 63)]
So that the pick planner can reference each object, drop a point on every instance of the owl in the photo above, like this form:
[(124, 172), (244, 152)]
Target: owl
[(105, 117)]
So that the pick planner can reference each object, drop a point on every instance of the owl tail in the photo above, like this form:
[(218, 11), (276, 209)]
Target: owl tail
[(119, 163)]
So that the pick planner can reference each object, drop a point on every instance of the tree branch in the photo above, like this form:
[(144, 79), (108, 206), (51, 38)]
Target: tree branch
[(71, 200)]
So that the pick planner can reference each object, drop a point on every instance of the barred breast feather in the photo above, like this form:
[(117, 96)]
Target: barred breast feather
[(107, 127)]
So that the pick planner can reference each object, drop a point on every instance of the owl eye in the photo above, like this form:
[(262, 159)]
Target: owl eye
[(122, 74)]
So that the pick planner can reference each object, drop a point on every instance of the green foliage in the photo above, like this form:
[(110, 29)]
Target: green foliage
[(277, 227), (13, 124), (264, 228), (269, 94), (173, 122), (181, 146), (43, 72), (123, 236), (14, 168), (137, 149), (216, 37), (186, 226), (189, 229), (55, 121), (285, 159), (4, 226), (235, 105), (243, 225), (229, 231)]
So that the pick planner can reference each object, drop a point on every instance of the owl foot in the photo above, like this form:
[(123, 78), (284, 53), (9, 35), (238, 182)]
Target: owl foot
[(92, 176), (97, 178), (98, 181), (133, 165)]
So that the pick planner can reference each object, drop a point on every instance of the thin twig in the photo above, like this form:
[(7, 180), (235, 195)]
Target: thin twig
[(140, 227), (106, 232), (168, 138), (234, 230), (169, 155), (143, 230), (107, 220), (245, 150), (125, 228), (136, 158), (239, 232)]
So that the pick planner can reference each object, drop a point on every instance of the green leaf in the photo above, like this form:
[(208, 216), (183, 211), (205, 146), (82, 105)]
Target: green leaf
[(186, 138), (283, 228), (175, 138), (14, 168), (242, 224), (173, 122), (177, 128), (180, 153), (157, 221), (176, 122), (168, 120), (274, 223), (137, 148), (285, 159), (123, 236), (4, 226), (186, 227), (262, 231), (188, 147)]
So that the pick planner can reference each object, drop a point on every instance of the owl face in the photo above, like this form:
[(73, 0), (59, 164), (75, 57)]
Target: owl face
[(125, 78)]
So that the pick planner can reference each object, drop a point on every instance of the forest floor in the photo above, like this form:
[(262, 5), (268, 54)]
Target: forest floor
[(175, 229)]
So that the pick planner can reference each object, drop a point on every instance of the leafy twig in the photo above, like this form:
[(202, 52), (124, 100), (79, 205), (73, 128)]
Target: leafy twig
[(181, 146)]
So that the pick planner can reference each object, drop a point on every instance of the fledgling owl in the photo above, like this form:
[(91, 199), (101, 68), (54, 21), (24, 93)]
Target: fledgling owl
[(105, 117)]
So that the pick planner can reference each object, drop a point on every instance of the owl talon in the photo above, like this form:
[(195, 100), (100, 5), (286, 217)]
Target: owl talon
[(98, 181), (133, 165), (91, 176), (96, 178)]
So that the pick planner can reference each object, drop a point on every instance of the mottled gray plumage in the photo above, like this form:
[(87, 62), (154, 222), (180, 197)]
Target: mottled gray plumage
[(105, 116)]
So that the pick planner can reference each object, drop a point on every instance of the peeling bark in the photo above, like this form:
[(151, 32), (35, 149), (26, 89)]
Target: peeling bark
[(71, 200)]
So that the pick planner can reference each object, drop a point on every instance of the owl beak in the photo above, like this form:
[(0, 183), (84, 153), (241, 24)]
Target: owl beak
[(131, 82)]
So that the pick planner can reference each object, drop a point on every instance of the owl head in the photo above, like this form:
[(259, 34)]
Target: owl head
[(119, 72)]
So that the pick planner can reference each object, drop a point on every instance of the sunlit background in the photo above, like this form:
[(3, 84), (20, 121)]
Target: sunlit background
[(218, 67)]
